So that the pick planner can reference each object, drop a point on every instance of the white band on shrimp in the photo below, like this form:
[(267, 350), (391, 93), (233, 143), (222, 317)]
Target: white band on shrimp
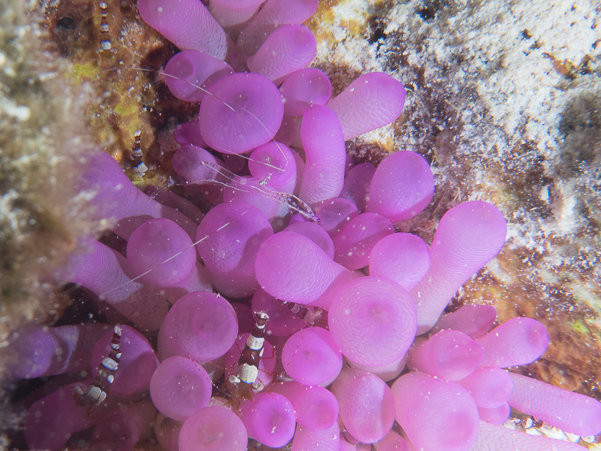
[(254, 343)]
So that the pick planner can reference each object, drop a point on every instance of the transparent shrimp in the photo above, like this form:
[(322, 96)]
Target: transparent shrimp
[(236, 182)]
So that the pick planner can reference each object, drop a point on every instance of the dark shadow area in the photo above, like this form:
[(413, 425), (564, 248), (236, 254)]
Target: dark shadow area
[(580, 128)]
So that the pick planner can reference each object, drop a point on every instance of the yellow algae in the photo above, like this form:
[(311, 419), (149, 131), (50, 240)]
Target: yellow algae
[(127, 107), (82, 72), (579, 326)]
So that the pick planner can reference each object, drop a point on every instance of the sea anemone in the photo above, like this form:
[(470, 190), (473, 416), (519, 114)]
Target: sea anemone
[(251, 243)]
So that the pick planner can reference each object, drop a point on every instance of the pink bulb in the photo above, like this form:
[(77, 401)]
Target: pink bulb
[(518, 341), (189, 133), (286, 50), (228, 240), (306, 439), (354, 243), (293, 268), (108, 274), (47, 351), (213, 429), (392, 442), (490, 387), (243, 112), (161, 253), (269, 418), (46, 429), (323, 177), (373, 321), (334, 214), (401, 187), (401, 257), (117, 197), (316, 233), (473, 320), (495, 415), (201, 326), (275, 163), (122, 428), (366, 404), (233, 12), (469, 235), (316, 408), (346, 446), (499, 438), (273, 15), (179, 387), (187, 24), (568, 411), (167, 432), (304, 88), (371, 101), (449, 354), (188, 162), (357, 184), (311, 357), (189, 74), (435, 414)]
